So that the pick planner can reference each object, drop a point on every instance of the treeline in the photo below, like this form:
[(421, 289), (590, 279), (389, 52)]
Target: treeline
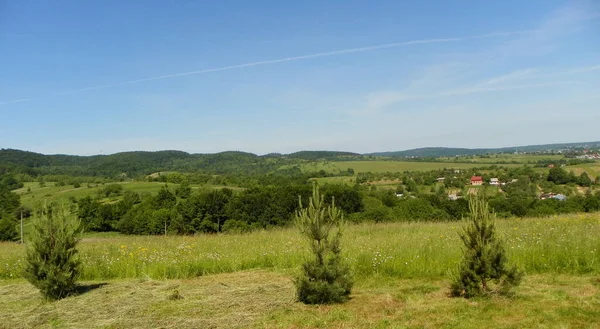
[(183, 211)]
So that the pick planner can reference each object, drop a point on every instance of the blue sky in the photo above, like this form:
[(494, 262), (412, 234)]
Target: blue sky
[(90, 77)]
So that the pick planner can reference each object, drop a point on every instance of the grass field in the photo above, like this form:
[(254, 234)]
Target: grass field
[(239, 281), (37, 195)]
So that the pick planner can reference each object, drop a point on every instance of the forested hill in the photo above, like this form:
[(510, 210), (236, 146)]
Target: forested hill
[(138, 163), (452, 151)]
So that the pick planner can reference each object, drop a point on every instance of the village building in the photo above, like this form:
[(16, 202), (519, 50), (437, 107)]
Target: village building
[(476, 180)]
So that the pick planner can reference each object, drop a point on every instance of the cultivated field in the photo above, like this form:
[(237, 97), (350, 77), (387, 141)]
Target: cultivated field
[(245, 280)]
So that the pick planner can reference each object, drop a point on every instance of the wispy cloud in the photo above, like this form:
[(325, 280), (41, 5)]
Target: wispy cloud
[(283, 60), (465, 74), (16, 101), (516, 75)]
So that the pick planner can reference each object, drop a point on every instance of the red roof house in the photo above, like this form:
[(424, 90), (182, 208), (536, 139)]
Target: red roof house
[(476, 180)]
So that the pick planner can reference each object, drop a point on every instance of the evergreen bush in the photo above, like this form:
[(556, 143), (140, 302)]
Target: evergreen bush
[(326, 278), (52, 264), (483, 268)]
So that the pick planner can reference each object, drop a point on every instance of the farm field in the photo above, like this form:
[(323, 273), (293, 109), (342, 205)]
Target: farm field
[(593, 169), (495, 158), (235, 281), (388, 166)]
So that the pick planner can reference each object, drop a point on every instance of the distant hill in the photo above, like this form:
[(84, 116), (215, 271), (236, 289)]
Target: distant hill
[(138, 163), (319, 155), (449, 151), (144, 163)]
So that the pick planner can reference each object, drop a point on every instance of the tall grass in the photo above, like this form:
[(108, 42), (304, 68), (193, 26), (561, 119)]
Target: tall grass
[(564, 244)]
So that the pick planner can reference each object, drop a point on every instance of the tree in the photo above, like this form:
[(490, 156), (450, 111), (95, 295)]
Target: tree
[(52, 263), (584, 180), (326, 278), (484, 258), (558, 176)]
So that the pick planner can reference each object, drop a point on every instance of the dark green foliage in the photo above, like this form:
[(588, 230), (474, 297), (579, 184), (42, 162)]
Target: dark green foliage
[(52, 264), (483, 268), (111, 190), (326, 278), (8, 229)]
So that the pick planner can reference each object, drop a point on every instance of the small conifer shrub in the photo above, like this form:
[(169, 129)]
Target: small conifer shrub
[(52, 263), (483, 268), (326, 278)]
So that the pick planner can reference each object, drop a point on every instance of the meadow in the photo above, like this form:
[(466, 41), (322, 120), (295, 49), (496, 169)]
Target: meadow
[(245, 280), (565, 244)]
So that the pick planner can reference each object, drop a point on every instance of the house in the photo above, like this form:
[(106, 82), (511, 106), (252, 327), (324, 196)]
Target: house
[(551, 166), (453, 197), (399, 195), (559, 197), (476, 180), (494, 181), (441, 179)]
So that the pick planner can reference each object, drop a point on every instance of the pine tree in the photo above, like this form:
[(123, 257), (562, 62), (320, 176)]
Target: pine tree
[(326, 278), (52, 264), (8, 228), (483, 268)]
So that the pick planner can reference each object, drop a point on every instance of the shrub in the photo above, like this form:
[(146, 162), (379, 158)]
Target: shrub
[(51, 263), (484, 258), (236, 226), (326, 278)]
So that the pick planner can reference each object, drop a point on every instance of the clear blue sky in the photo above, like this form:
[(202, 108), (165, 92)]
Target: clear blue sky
[(89, 77)]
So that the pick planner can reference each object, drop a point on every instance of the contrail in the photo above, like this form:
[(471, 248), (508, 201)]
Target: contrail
[(281, 60)]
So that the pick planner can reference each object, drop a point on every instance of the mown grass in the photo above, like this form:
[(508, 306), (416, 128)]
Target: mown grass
[(266, 299), (565, 244)]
